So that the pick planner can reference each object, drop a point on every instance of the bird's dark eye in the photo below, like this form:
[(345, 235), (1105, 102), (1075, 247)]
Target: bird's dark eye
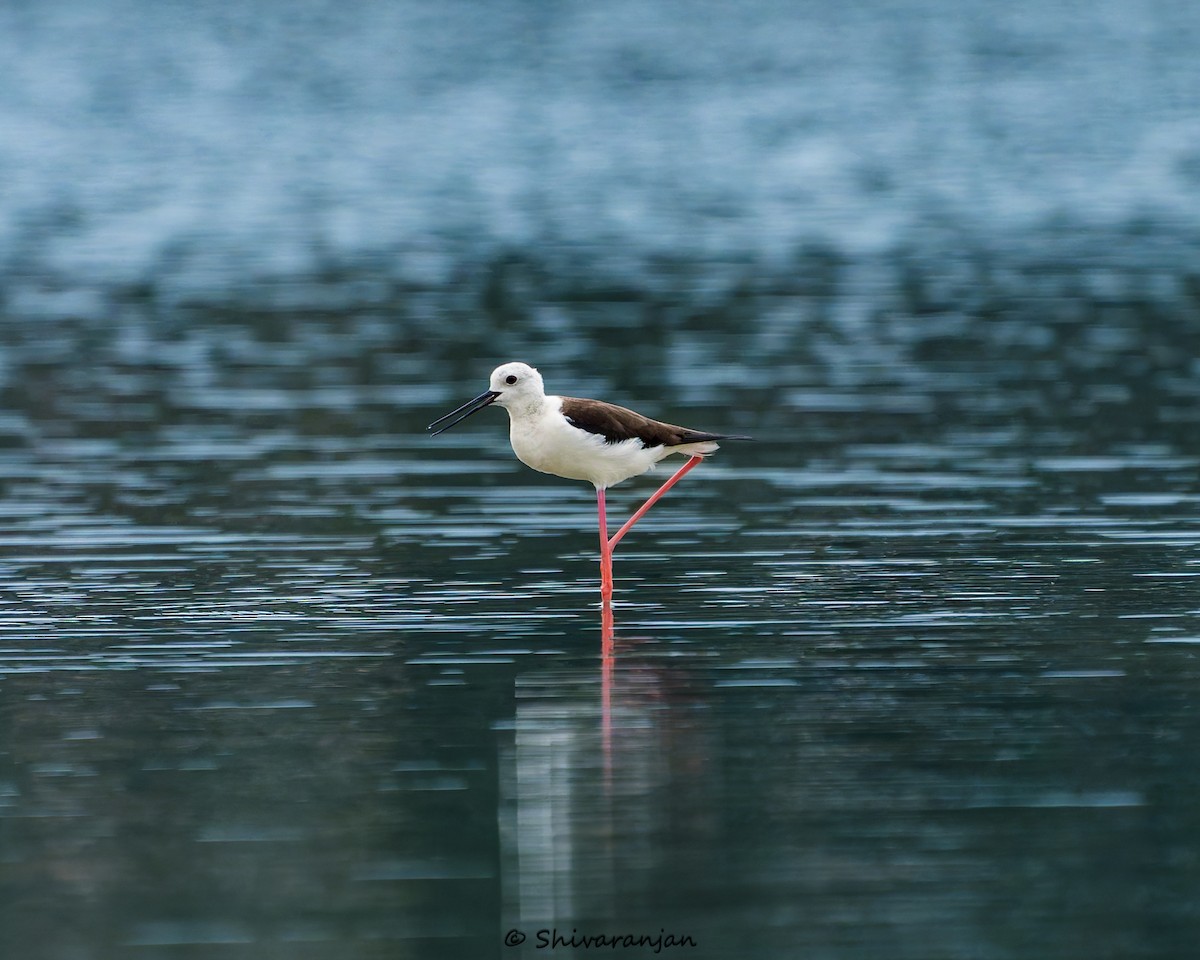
[(511, 378)]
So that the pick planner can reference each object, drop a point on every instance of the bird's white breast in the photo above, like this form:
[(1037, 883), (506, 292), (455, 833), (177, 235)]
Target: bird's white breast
[(544, 440)]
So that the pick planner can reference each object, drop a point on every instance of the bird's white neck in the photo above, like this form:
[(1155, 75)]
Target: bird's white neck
[(531, 407)]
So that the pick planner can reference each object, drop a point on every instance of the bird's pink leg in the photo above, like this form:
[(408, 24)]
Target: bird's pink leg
[(606, 581), (641, 511)]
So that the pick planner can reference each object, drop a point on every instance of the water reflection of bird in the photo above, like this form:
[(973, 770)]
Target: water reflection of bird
[(585, 440)]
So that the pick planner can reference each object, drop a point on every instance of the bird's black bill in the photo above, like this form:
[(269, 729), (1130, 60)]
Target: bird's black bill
[(461, 414)]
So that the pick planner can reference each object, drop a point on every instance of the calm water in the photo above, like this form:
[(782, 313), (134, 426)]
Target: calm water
[(913, 675)]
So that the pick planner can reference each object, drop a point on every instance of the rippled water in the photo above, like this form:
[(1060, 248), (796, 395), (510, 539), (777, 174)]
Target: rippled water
[(280, 675), (912, 675)]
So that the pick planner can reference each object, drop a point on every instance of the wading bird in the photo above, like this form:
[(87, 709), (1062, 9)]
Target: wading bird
[(585, 440)]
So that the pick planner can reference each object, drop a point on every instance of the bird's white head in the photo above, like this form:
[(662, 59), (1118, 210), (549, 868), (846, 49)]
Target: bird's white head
[(517, 386)]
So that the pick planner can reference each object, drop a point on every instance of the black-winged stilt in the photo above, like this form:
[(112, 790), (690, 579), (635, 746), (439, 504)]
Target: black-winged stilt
[(585, 440)]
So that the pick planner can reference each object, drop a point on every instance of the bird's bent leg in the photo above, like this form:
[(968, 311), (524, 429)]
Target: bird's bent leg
[(606, 582), (641, 511)]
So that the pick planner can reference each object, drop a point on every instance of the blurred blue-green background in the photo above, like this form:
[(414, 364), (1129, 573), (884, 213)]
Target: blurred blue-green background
[(911, 676)]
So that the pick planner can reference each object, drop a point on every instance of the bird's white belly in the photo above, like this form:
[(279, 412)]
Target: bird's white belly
[(551, 445)]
